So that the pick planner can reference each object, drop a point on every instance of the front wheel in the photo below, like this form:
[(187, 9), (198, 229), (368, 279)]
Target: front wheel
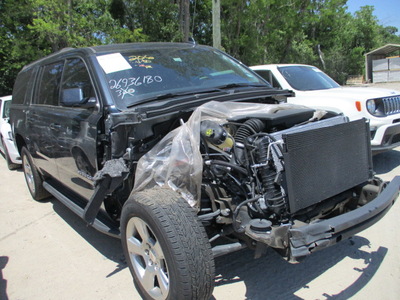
[(166, 247), (33, 179)]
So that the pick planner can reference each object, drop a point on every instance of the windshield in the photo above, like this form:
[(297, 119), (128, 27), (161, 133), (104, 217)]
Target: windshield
[(136, 76), (307, 78)]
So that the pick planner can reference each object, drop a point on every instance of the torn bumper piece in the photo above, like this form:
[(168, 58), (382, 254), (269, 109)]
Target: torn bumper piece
[(316, 236), (107, 180)]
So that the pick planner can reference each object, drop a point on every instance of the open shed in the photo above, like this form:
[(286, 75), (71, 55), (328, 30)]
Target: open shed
[(383, 64)]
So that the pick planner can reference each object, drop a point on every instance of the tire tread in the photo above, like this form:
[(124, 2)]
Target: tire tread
[(187, 237)]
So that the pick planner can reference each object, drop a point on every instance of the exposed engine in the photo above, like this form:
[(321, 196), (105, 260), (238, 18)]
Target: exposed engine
[(244, 165), (253, 164), (263, 174)]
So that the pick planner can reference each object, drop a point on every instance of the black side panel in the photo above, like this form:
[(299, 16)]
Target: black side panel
[(324, 162)]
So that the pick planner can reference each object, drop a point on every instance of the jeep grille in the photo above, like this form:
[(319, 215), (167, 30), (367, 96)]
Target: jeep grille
[(391, 105)]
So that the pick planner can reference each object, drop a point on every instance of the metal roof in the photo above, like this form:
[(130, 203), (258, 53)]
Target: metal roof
[(379, 53), (384, 50)]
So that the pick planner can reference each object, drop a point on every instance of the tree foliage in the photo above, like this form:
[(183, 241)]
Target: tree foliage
[(318, 32)]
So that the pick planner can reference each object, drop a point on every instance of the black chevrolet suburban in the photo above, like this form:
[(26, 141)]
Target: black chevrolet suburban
[(185, 154)]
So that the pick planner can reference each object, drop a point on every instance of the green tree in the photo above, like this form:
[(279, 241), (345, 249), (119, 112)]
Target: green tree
[(39, 27), (318, 32), (72, 23), (159, 20), (266, 31), (201, 21), (388, 35), (366, 28), (18, 46)]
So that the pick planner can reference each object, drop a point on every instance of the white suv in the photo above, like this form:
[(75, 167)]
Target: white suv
[(7, 146), (315, 89)]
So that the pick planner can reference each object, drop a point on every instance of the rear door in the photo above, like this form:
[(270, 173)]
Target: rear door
[(42, 132)]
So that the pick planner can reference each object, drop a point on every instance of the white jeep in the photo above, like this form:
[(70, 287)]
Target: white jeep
[(315, 89)]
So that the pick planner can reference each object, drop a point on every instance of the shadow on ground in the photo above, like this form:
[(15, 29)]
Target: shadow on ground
[(271, 277), (3, 281), (386, 161), (108, 246)]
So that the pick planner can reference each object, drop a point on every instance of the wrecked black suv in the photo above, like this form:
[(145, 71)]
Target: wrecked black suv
[(186, 154)]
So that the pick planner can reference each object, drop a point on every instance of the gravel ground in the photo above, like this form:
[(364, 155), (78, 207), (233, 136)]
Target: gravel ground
[(46, 252), (386, 85)]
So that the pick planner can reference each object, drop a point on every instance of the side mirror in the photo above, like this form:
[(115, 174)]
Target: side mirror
[(74, 98)]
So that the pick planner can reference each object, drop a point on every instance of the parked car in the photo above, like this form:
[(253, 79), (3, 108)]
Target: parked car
[(186, 154), (314, 88), (7, 146)]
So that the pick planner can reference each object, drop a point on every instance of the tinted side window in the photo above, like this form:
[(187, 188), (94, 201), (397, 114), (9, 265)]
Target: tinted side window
[(307, 78), (76, 76), (268, 76), (49, 84)]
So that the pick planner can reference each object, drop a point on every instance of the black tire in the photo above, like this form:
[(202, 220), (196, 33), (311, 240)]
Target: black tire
[(33, 179), (168, 252), (10, 164)]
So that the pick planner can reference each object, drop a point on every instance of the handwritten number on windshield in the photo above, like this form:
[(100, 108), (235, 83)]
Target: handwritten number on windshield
[(124, 86)]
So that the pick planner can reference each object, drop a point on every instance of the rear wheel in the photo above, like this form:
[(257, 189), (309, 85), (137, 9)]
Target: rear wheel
[(166, 247), (32, 177)]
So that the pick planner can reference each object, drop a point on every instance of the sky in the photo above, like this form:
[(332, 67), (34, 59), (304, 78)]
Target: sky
[(386, 11)]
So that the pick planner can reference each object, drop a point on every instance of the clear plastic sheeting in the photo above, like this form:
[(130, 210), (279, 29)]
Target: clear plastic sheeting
[(176, 160)]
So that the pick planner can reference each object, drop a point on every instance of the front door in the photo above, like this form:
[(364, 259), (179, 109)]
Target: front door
[(78, 130)]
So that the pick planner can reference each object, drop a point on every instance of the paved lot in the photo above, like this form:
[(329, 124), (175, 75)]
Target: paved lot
[(46, 252)]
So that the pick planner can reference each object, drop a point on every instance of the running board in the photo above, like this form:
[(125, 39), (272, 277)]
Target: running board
[(97, 224)]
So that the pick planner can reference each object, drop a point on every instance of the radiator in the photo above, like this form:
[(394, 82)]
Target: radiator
[(321, 163)]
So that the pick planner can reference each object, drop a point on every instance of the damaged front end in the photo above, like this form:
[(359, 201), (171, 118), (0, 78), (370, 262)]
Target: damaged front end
[(271, 175)]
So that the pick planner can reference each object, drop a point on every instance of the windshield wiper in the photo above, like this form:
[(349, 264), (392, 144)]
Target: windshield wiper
[(217, 89), (234, 85), (175, 95)]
